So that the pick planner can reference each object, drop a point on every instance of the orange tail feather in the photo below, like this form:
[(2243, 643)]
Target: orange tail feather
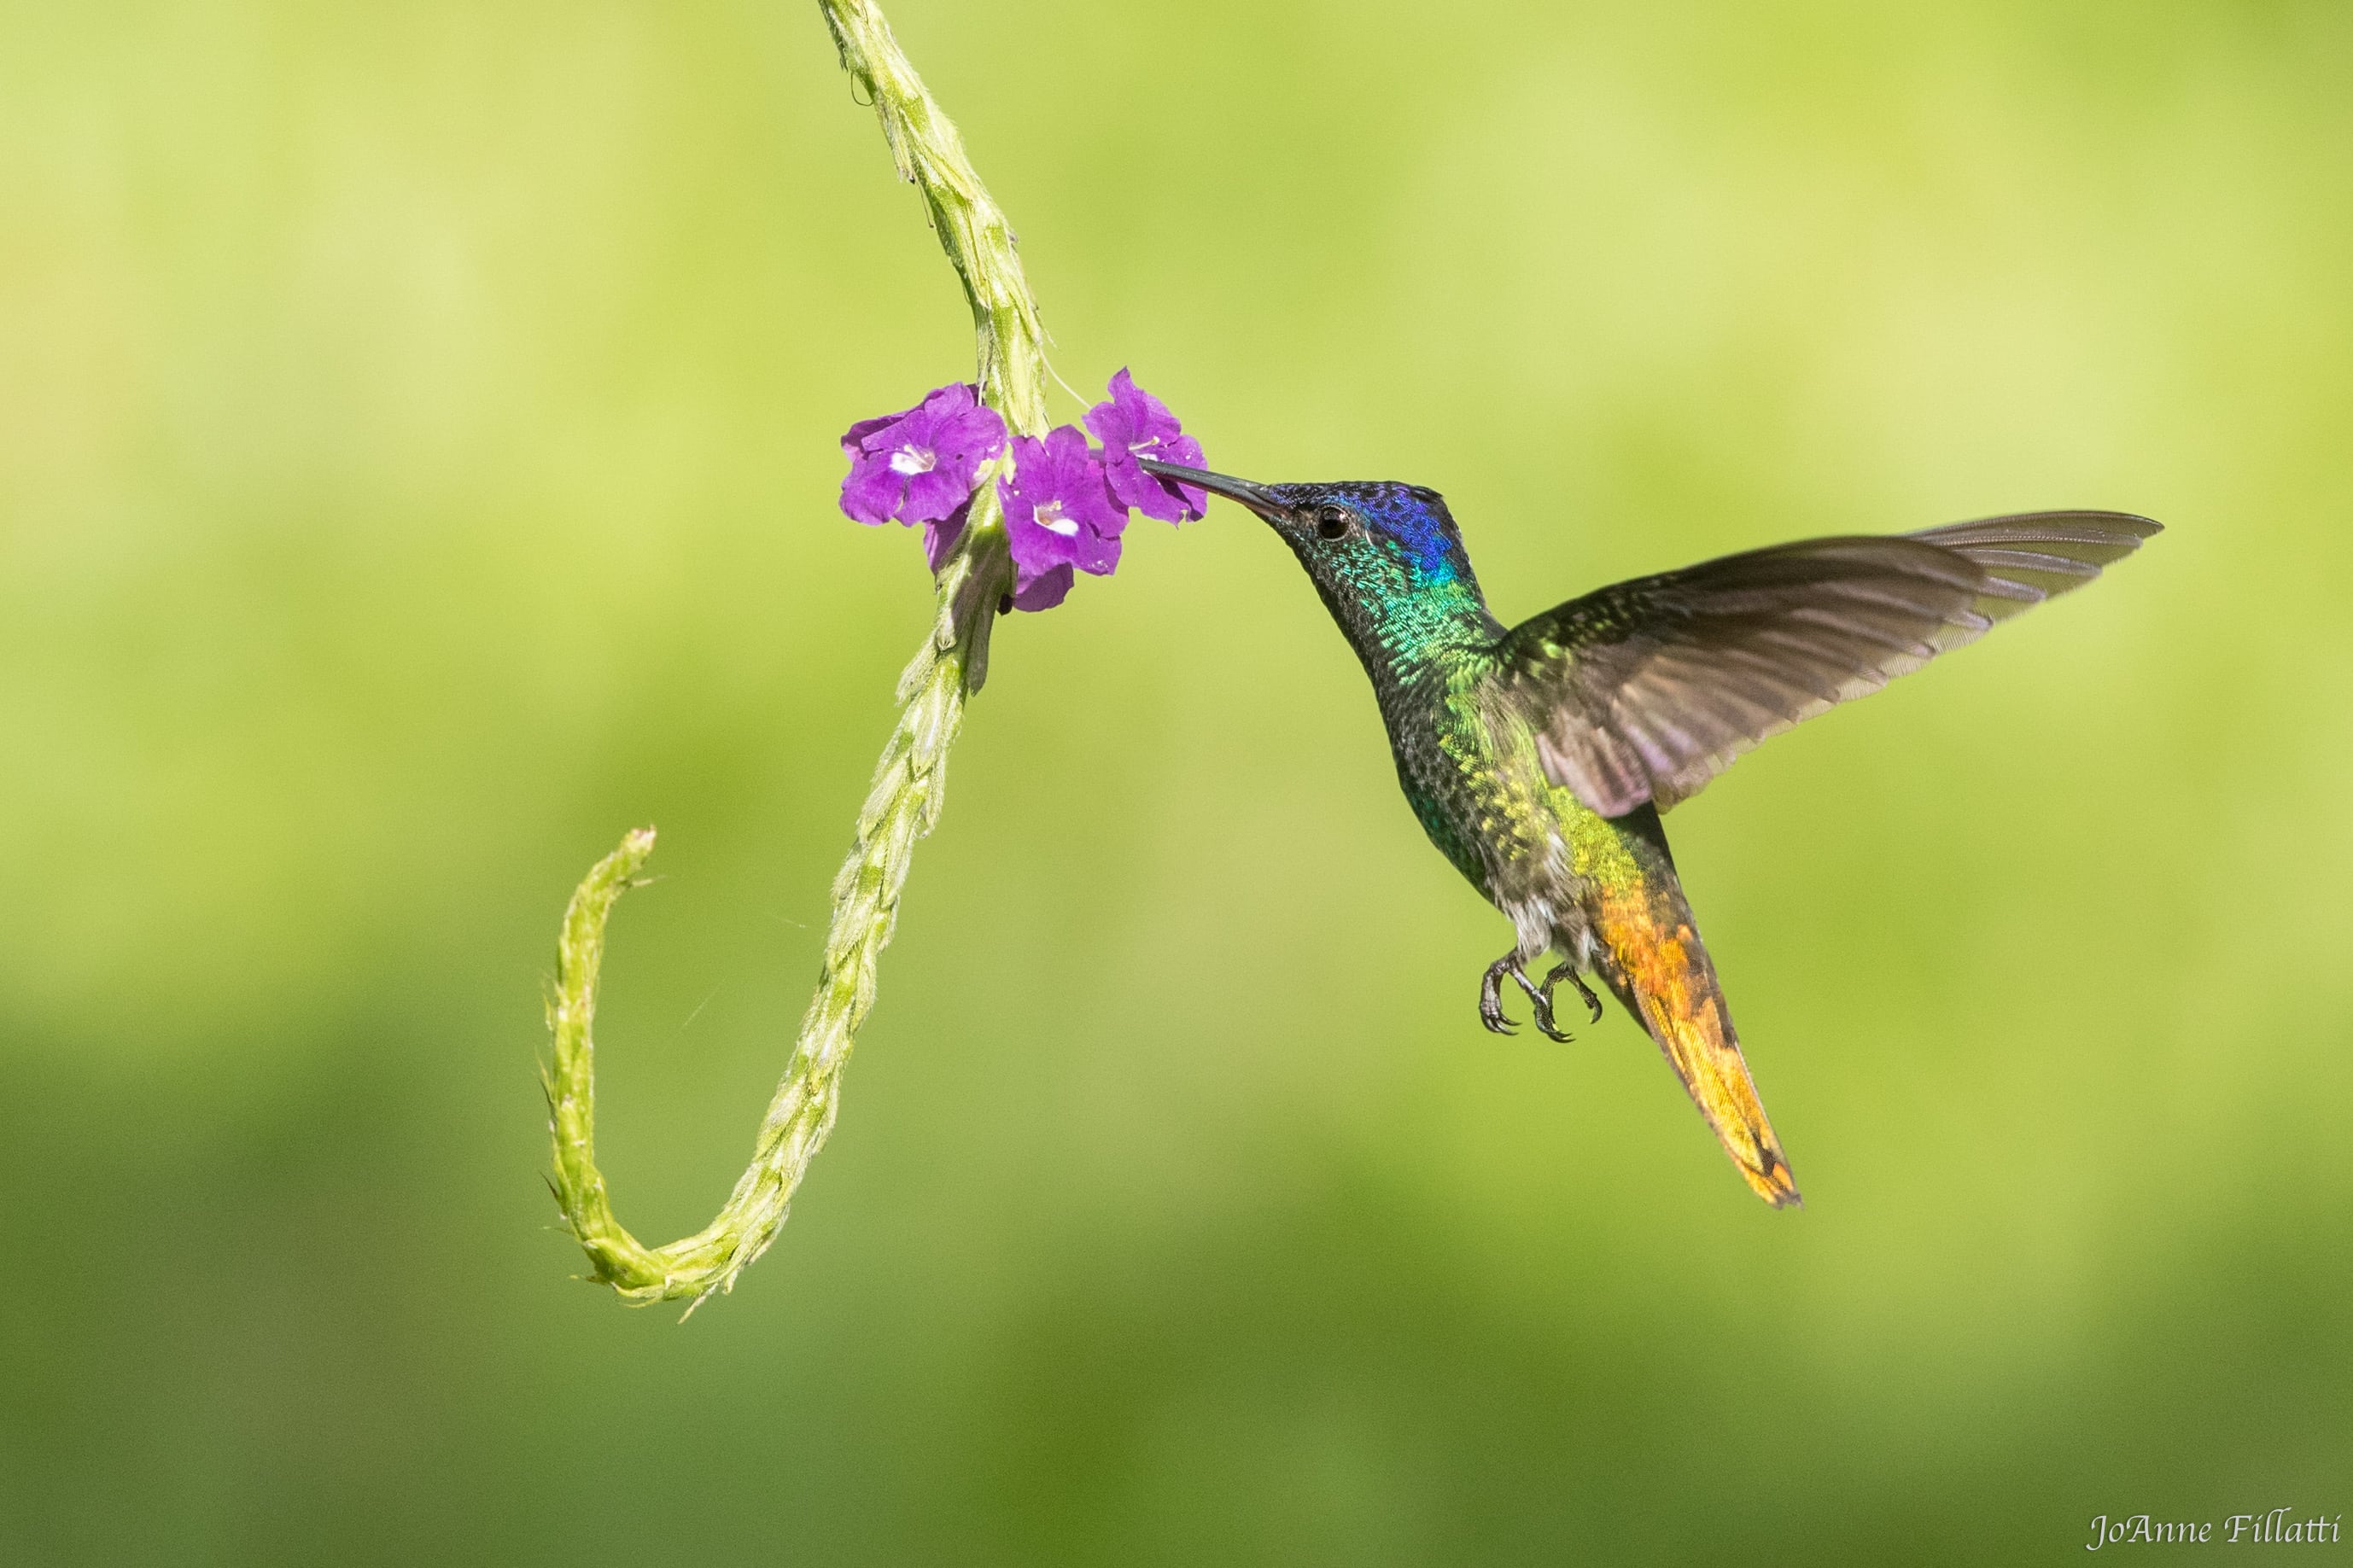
[(1653, 959)]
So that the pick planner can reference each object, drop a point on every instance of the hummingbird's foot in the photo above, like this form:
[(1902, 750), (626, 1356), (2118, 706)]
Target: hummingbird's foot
[(1490, 999), (1540, 1003), (1568, 971), (1490, 995)]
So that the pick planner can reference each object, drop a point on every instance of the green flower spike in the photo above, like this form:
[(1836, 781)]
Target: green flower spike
[(905, 803)]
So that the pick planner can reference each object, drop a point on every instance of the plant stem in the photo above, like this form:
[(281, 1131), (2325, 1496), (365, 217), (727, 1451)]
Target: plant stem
[(904, 805)]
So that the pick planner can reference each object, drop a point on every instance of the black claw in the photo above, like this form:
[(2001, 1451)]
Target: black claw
[(1568, 971), (1490, 999), (1540, 1001)]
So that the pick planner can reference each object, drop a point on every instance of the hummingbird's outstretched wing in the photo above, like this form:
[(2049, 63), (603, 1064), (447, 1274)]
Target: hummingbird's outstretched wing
[(1647, 690)]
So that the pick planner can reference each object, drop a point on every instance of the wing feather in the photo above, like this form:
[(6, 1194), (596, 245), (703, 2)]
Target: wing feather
[(1646, 689)]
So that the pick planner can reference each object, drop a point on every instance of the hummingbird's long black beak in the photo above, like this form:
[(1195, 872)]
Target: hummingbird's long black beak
[(1258, 498)]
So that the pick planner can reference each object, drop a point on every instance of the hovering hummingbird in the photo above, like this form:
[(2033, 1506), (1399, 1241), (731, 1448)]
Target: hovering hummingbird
[(1539, 757)]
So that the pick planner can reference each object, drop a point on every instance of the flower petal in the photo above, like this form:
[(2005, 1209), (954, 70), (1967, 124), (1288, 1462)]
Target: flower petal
[(1044, 591), (1165, 498), (1095, 552), (940, 535), (975, 435), (1036, 548), (947, 402), (1112, 426), (1090, 501), (853, 440), (932, 496), (1147, 415), (871, 492)]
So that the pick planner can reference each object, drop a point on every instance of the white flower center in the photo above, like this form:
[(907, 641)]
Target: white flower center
[(1050, 518), (912, 459)]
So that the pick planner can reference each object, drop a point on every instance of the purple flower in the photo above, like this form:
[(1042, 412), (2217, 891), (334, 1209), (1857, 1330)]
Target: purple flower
[(1133, 425), (922, 465), (1058, 514)]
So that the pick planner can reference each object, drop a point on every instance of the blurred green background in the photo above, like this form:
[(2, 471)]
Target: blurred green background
[(417, 460)]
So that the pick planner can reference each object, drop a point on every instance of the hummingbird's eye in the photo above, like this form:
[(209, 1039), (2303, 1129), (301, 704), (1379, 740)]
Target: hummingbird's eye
[(1333, 521)]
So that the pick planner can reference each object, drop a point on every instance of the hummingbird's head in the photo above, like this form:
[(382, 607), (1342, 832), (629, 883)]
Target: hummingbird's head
[(1369, 540)]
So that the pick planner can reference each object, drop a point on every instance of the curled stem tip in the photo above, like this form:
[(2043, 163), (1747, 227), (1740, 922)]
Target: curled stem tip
[(909, 785)]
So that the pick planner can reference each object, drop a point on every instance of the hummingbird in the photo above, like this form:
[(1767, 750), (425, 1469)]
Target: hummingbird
[(1540, 758)]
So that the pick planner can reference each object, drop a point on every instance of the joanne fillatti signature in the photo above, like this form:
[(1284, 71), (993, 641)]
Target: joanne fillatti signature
[(2279, 1527)]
